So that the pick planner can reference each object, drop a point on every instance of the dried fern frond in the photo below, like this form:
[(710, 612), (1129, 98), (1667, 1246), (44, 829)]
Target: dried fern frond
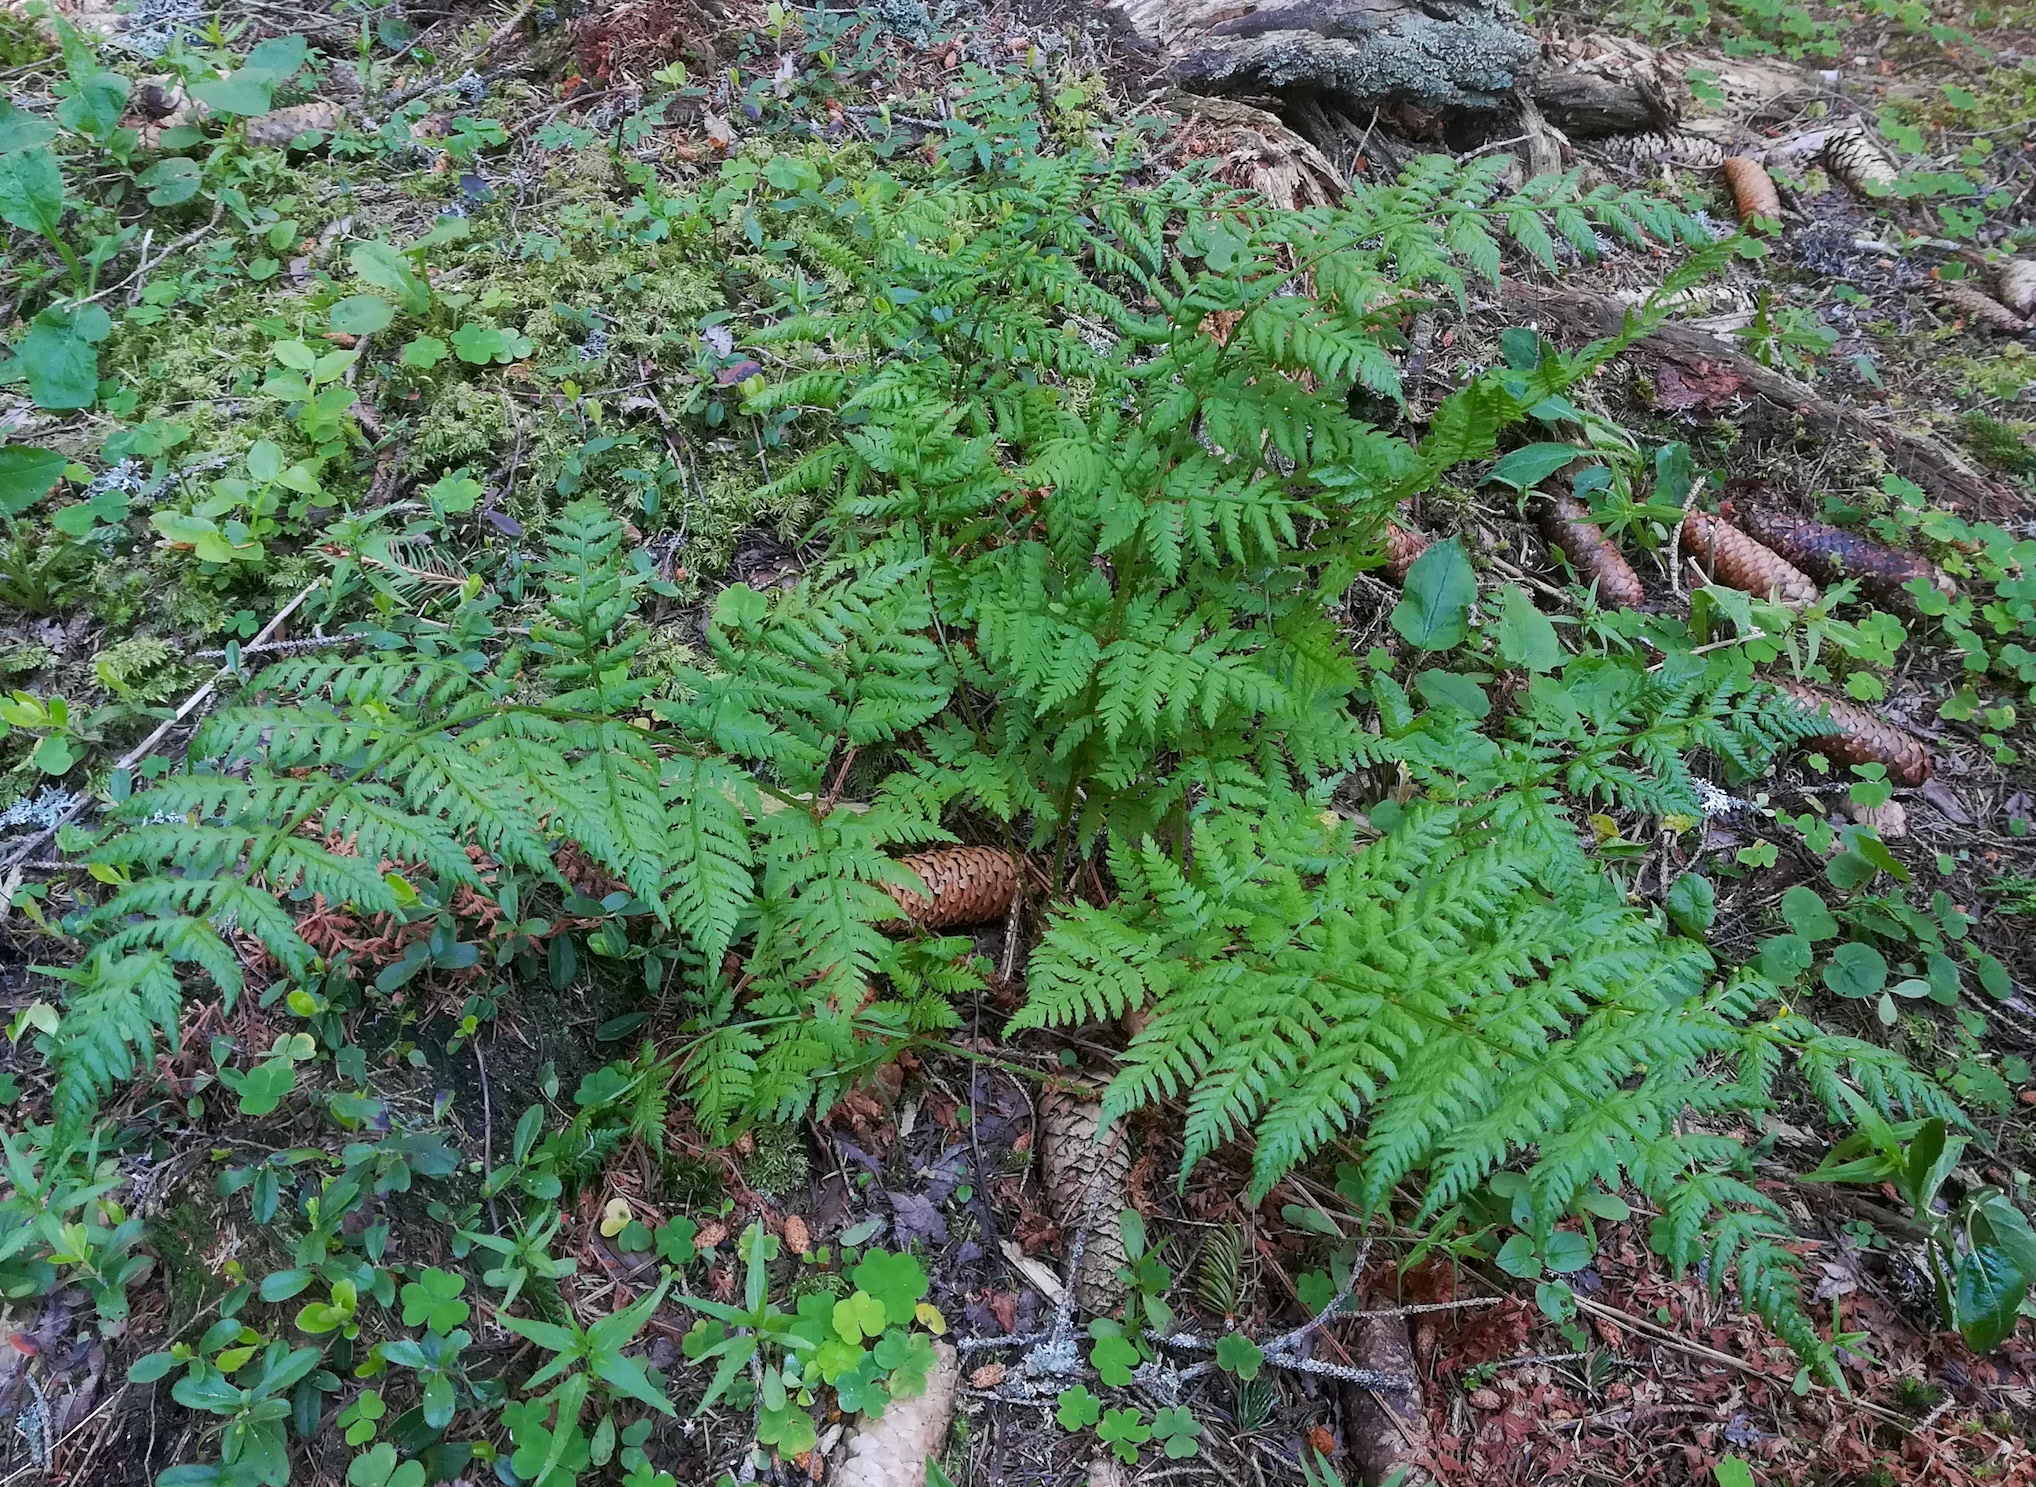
[(1726, 555), (971, 885)]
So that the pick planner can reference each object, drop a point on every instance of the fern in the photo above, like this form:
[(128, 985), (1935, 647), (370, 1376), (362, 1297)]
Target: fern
[(1095, 494)]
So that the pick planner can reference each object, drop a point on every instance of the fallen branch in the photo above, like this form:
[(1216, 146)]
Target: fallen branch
[(1913, 455)]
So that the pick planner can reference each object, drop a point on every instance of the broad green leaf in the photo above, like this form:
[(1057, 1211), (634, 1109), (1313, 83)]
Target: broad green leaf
[(1238, 1354), (59, 358), (244, 93), (170, 181), (1998, 1224), (27, 474), (1988, 1298), (1692, 904), (1856, 970), (1522, 469), (32, 191), (1434, 612), (1804, 912), (387, 268), (1566, 1252), (21, 130), (361, 314), (1447, 689), (1732, 1471), (1525, 635), (1785, 957)]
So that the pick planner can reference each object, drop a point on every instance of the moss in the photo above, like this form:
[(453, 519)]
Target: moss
[(2004, 446), (463, 424), (665, 649), (141, 668), (780, 1162), (24, 658)]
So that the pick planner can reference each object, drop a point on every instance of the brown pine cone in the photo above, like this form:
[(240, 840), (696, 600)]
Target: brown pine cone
[(1087, 1167), (1566, 523), (1857, 159), (1833, 553), (1858, 736), (1727, 555), (971, 885), (1753, 193), (1402, 547), (2015, 286), (1974, 305)]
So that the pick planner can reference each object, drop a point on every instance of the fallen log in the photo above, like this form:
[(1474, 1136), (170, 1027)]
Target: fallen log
[(1446, 53)]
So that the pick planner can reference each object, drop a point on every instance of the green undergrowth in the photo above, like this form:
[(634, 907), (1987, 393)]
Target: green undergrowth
[(1086, 514)]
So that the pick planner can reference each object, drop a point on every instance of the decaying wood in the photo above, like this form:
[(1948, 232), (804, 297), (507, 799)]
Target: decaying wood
[(1087, 1168), (892, 1450), (1385, 1432), (1566, 522), (1608, 86), (1753, 193), (1402, 547), (1724, 554), (1969, 302), (1857, 736), (970, 885), (2015, 286), (1941, 472), (1832, 554), (1262, 153), (1467, 53)]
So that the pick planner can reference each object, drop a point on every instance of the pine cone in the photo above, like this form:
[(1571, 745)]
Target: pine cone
[(1857, 736), (971, 885), (1857, 159), (1087, 1186), (1661, 147), (1987, 311), (1832, 553), (1727, 555), (278, 127), (2015, 286), (1402, 547), (1566, 523), (1753, 193)]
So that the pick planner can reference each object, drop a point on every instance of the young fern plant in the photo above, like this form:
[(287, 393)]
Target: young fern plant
[(376, 784), (1097, 493)]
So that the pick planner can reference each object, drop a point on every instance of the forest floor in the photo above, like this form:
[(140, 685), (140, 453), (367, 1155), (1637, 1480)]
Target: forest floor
[(591, 358)]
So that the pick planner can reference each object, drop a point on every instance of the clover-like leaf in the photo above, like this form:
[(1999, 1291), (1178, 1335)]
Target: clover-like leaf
[(1177, 1430), (1078, 1408), (898, 1281), (858, 1316), (1238, 1354)]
